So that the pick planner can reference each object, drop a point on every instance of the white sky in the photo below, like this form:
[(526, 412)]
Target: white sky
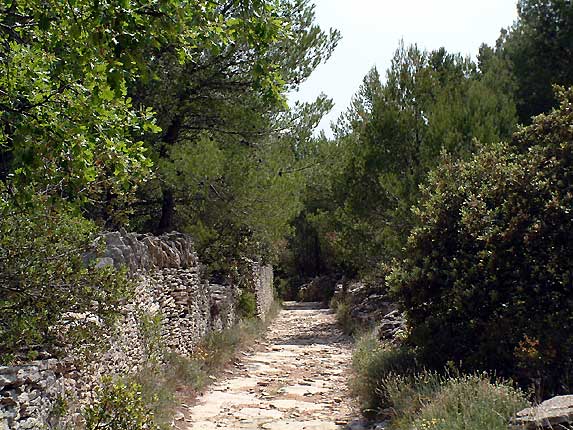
[(372, 29)]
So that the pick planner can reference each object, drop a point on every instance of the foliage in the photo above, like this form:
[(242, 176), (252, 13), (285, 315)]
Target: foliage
[(539, 48), (390, 382), (344, 317), (49, 296), (487, 280), (96, 93), (229, 156), (471, 402), (119, 406), (247, 305), (219, 347), (385, 144), (81, 81), (372, 363), (68, 127), (150, 329)]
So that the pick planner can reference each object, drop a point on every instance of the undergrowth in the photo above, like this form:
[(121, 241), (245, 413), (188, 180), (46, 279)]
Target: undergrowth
[(391, 382), (344, 317)]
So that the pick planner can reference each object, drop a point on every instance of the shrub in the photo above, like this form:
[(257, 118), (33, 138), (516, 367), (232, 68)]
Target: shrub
[(372, 363), (247, 305), (344, 317), (488, 280), (119, 406), (45, 281), (406, 394), (389, 381), (442, 401), (470, 403), (150, 329)]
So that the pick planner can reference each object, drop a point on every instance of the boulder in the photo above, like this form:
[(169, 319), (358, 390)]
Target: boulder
[(551, 414)]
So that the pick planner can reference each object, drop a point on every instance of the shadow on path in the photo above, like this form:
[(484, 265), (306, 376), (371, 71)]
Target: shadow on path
[(302, 306), (323, 333)]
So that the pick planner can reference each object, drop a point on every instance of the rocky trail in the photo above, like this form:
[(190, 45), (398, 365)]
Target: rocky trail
[(293, 379)]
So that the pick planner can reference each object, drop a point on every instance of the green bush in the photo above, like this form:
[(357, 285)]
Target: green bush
[(150, 328), (471, 403), (247, 305), (44, 280), (405, 395), (344, 318), (119, 406), (390, 382), (429, 400), (488, 280)]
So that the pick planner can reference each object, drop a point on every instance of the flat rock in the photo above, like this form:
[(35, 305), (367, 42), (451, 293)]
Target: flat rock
[(300, 425), (254, 413), (550, 413)]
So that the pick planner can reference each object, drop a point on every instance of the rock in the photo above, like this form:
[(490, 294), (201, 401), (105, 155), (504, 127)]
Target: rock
[(7, 376), (549, 414), (104, 262), (358, 425)]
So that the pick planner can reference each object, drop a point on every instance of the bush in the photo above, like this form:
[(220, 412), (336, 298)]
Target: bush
[(119, 406), (389, 381), (45, 282), (247, 305), (430, 401), (489, 277), (344, 317), (372, 363)]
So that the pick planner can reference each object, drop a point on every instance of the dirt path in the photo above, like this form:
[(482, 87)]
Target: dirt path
[(295, 379)]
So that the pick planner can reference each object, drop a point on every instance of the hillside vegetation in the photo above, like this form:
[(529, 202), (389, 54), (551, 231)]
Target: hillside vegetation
[(448, 184), (448, 188)]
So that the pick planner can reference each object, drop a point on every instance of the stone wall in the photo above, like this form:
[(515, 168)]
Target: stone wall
[(172, 306), (263, 284)]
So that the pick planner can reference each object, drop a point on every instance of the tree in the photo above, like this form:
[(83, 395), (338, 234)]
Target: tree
[(228, 156), (486, 280), (79, 83), (393, 134), (539, 47)]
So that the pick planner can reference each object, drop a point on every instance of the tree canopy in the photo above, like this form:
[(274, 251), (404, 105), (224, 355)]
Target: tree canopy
[(149, 115)]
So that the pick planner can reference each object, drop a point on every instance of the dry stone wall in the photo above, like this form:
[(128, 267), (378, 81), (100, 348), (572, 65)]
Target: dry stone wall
[(173, 308), (264, 293)]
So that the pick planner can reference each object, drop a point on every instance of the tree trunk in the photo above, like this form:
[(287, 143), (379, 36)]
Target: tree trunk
[(166, 222), (167, 212)]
